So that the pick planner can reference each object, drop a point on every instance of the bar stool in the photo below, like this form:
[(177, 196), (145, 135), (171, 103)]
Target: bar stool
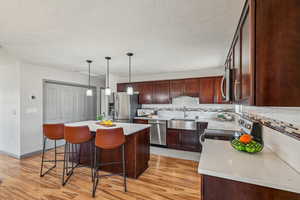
[(109, 139), (53, 132), (75, 136)]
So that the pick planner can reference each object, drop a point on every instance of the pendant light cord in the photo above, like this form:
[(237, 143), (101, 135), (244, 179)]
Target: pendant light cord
[(129, 69), (107, 71), (89, 75)]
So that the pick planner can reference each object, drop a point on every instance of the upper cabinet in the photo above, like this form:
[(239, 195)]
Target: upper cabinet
[(177, 88), (192, 87), (264, 55), (161, 92), (207, 89)]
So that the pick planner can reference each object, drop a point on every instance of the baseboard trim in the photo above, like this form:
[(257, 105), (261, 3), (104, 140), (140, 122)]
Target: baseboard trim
[(10, 154), (27, 155)]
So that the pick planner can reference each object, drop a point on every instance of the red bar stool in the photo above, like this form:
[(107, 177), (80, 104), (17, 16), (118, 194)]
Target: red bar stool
[(52, 132), (75, 136), (109, 139)]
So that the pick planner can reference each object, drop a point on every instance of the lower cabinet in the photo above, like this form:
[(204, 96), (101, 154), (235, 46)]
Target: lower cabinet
[(140, 121), (187, 140)]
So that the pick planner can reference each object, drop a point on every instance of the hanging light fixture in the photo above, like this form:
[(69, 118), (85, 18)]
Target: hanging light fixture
[(107, 89), (129, 88), (89, 91)]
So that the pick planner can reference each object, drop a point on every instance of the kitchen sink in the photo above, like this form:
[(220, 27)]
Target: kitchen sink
[(183, 124)]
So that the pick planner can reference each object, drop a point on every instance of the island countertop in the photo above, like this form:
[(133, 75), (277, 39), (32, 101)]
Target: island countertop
[(219, 159), (129, 128)]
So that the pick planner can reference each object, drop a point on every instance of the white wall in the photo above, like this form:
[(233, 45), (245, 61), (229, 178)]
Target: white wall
[(9, 104), (32, 110)]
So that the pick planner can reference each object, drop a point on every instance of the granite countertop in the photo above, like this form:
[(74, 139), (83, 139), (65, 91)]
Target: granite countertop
[(129, 128), (219, 159)]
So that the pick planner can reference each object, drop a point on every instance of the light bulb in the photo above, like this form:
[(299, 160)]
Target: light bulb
[(130, 90), (107, 91), (89, 92)]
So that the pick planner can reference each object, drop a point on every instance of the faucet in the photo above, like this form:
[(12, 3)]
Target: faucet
[(184, 112)]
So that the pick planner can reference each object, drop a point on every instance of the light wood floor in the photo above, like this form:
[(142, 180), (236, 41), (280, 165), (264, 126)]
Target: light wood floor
[(166, 178)]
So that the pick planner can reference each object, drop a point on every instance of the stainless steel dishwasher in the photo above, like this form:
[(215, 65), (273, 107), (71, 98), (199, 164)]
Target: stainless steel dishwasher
[(158, 132)]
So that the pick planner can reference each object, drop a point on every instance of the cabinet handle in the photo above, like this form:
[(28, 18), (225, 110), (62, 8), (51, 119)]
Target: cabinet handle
[(222, 88)]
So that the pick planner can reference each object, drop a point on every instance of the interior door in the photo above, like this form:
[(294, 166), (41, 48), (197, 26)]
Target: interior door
[(68, 103)]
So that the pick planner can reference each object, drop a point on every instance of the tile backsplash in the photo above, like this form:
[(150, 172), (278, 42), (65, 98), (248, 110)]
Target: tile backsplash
[(191, 107)]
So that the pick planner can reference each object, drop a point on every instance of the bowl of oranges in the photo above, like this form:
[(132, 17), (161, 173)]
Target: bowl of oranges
[(246, 143)]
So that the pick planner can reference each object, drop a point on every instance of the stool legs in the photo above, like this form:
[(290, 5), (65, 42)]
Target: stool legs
[(43, 158), (96, 169), (70, 150)]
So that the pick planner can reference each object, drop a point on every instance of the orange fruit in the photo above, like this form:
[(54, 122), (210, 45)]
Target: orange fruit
[(246, 138)]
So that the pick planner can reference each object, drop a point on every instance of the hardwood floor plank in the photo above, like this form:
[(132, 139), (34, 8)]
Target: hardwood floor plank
[(165, 179)]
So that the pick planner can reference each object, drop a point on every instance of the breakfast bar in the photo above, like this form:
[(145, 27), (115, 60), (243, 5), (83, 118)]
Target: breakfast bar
[(137, 148)]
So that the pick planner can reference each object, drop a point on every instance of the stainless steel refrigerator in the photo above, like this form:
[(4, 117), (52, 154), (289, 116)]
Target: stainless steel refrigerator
[(125, 107)]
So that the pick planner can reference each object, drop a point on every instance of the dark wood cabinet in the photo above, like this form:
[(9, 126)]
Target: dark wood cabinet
[(173, 138), (192, 87), (177, 88), (187, 140), (161, 92), (266, 48), (140, 121), (146, 93), (215, 188), (207, 90)]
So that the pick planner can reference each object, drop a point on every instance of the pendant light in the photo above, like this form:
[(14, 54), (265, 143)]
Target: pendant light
[(129, 88), (89, 91), (107, 89)]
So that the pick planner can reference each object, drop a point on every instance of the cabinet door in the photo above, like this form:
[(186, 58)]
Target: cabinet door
[(173, 138), (206, 92), (146, 92), (140, 121), (192, 87), (189, 140), (121, 87), (161, 92), (177, 88), (236, 66), (245, 60)]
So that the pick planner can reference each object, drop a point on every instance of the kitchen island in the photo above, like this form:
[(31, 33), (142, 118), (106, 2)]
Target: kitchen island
[(228, 174), (137, 148)]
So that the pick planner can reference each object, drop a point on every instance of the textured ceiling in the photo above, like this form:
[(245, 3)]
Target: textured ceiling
[(165, 35)]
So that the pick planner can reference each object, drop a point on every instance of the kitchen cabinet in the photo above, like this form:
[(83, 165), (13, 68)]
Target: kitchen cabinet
[(192, 87), (207, 90), (173, 138), (140, 121), (146, 93), (177, 88), (161, 92), (187, 140), (266, 60)]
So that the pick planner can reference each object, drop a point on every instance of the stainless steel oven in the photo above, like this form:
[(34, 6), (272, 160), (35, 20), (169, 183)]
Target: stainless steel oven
[(158, 132)]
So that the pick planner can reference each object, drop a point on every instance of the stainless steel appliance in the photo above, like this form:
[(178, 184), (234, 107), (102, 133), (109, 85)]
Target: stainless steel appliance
[(125, 107), (226, 84), (158, 132), (246, 126), (183, 124)]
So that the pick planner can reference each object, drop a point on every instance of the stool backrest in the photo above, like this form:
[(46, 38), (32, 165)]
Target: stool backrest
[(77, 134), (53, 131), (109, 138)]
